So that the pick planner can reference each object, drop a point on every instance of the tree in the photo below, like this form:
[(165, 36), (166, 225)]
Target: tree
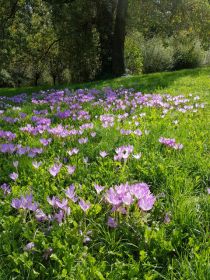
[(118, 65)]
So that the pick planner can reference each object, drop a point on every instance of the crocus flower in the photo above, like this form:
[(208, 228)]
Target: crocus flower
[(15, 164), (137, 156), (103, 154), (84, 205), (74, 151), (98, 188), (6, 189), (112, 222), (167, 218), (40, 215), (146, 203), (93, 134), (13, 176), (83, 140), (70, 193), (29, 247), (59, 216), (70, 169), (55, 169), (36, 164), (123, 152)]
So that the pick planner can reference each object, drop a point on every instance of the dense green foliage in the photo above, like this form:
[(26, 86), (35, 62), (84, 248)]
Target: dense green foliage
[(169, 242), (51, 41)]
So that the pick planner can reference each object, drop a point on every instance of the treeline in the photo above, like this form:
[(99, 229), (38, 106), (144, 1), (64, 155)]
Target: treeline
[(62, 41)]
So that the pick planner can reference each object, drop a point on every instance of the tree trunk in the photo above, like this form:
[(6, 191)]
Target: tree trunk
[(37, 76), (118, 65), (104, 24), (54, 80)]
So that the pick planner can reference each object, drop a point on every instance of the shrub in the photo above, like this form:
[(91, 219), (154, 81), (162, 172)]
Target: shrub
[(157, 56), (188, 52), (5, 79), (133, 55)]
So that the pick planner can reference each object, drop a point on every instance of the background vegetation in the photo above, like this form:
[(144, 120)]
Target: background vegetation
[(54, 42)]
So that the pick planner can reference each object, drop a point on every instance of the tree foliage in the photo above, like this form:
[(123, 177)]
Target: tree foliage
[(43, 39)]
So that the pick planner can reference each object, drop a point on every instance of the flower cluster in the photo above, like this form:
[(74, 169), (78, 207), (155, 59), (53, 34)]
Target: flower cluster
[(170, 142), (123, 152), (7, 135), (124, 195)]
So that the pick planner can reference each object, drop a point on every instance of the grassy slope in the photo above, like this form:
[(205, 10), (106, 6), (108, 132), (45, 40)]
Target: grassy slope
[(193, 80), (182, 177)]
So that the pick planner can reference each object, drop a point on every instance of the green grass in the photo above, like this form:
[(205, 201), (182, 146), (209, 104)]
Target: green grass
[(143, 246), (193, 80)]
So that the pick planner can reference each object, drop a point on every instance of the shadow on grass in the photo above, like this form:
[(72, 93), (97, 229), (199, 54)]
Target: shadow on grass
[(146, 83)]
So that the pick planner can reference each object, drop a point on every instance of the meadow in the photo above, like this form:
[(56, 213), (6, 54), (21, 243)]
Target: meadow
[(107, 180)]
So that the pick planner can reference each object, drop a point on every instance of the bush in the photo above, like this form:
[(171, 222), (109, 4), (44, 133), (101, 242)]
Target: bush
[(157, 56), (5, 79), (133, 55), (188, 52)]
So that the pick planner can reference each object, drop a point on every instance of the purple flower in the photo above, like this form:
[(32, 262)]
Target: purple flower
[(59, 216), (103, 154), (112, 197), (55, 169), (167, 218), (83, 140), (84, 205), (45, 142), (93, 134), (6, 189), (98, 188), (36, 164), (107, 120), (70, 169), (123, 152), (139, 190), (52, 201), (74, 151), (29, 247), (208, 190), (25, 203), (146, 203), (170, 143), (70, 193), (13, 176), (112, 222), (40, 215)]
